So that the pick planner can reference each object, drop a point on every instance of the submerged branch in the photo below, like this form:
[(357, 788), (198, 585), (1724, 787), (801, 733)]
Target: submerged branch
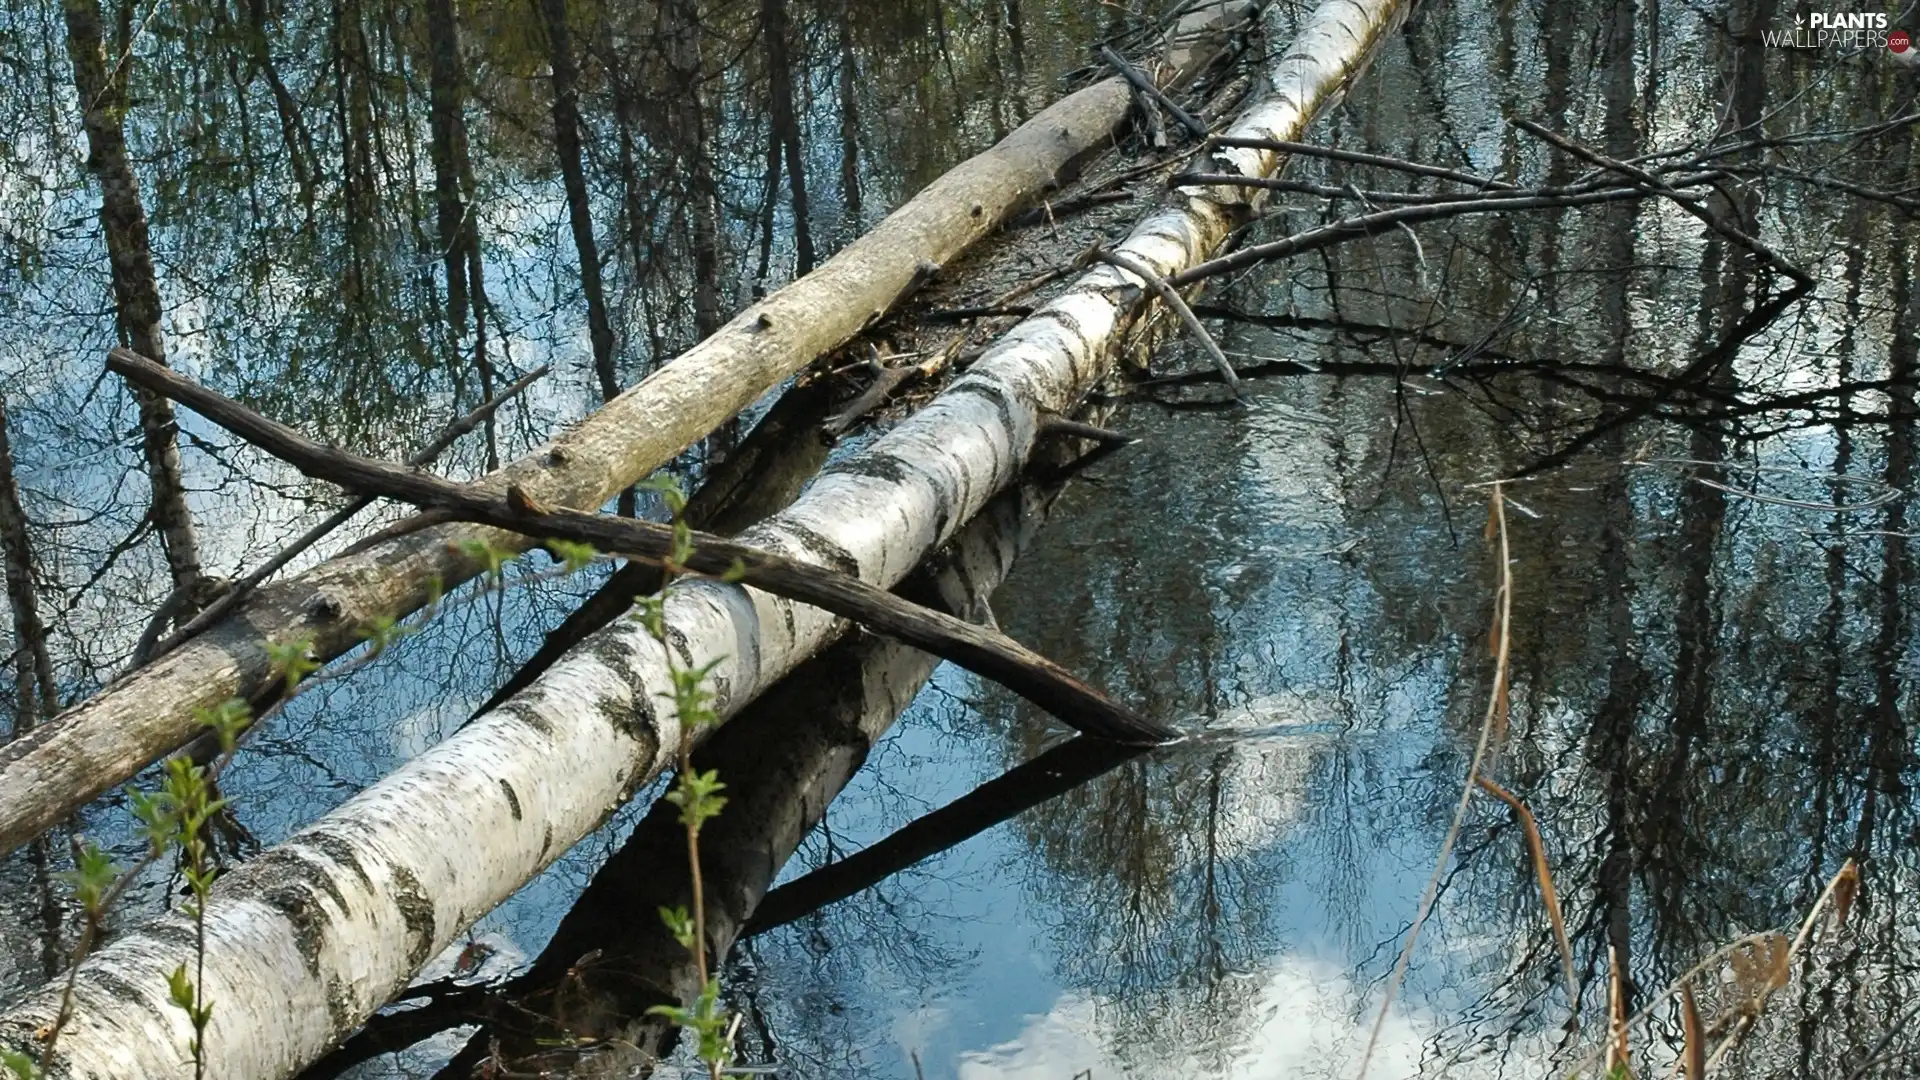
[(1059, 770), (1362, 225)]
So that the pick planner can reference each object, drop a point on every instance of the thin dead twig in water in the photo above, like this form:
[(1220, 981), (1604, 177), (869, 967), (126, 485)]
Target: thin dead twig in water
[(1362, 225), (886, 379), (1172, 298), (1708, 217), (1495, 716), (1052, 425), (1548, 895), (1354, 157), (1146, 87), (1887, 492)]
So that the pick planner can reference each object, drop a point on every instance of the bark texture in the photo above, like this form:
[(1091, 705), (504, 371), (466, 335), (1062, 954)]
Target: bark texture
[(581, 1010), (310, 938), (106, 740)]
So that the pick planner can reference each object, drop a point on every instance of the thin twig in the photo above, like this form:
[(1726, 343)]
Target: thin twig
[(1145, 85), (1172, 298), (1355, 157), (1496, 705), (1352, 228), (1712, 220), (425, 456), (1060, 425)]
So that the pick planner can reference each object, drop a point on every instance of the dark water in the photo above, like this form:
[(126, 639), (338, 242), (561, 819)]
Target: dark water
[(1712, 653)]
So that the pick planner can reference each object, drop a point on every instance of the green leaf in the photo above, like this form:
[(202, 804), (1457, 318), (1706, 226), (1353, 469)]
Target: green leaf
[(180, 990), (92, 876), (231, 717), (651, 612), (680, 924), (682, 543), (675, 1015), (710, 1020), (697, 796), (295, 659), (670, 492), (381, 631), (576, 556), (20, 1065), (491, 558)]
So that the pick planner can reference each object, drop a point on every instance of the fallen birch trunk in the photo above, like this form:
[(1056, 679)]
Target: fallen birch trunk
[(783, 761), (306, 941), (62, 765)]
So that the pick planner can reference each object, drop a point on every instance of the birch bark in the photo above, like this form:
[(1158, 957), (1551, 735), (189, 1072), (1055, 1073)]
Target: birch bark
[(310, 938), (104, 741)]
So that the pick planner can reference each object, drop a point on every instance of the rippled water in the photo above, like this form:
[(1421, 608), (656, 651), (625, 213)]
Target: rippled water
[(1711, 649)]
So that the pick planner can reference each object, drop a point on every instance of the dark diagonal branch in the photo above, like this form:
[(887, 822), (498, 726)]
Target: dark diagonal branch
[(985, 652), (425, 456), (1059, 770), (1354, 157), (1655, 184), (1361, 225), (1145, 86)]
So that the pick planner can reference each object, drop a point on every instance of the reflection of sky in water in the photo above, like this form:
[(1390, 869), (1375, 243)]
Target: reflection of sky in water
[(1006, 975), (1230, 906)]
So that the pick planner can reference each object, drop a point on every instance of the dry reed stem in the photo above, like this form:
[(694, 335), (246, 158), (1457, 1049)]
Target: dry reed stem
[(1696, 1034), (1619, 1060), (1840, 892), (1548, 895), (1502, 609)]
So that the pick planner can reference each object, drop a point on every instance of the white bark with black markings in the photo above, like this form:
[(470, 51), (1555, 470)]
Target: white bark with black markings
[(310, 938), (104, 741)]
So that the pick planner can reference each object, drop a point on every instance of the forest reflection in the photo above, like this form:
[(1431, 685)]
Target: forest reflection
[(368, 217)]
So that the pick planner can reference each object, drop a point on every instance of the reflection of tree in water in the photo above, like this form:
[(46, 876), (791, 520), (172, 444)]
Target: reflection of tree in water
[(358, 222), (1709, 694)]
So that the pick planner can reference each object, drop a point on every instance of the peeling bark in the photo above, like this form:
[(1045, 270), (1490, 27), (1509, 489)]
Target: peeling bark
[(306, 941)]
